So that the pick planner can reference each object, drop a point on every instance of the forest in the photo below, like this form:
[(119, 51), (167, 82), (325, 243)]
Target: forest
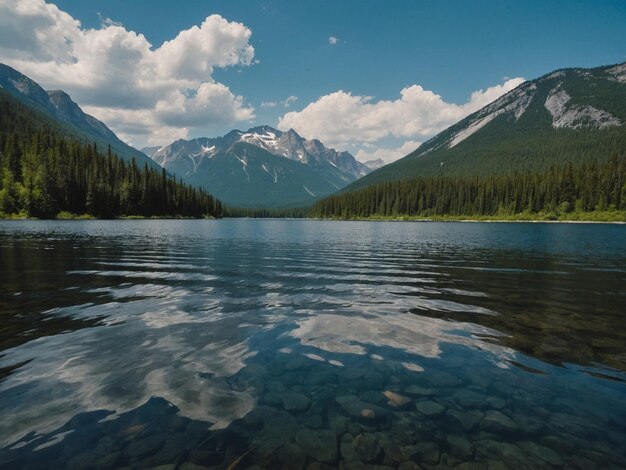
[(561, 191), (43, 174)]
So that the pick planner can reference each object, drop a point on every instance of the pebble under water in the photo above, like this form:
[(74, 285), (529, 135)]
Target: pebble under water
[(238, 344)]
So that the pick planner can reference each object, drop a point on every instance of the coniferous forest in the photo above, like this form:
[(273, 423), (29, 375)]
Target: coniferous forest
[(44, 173), (561, 191)]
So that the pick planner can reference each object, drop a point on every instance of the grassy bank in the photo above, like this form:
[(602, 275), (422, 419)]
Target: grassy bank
[(63, 215), (594, 216)]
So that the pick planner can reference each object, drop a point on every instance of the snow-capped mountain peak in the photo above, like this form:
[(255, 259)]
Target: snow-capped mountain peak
[(261, 157)]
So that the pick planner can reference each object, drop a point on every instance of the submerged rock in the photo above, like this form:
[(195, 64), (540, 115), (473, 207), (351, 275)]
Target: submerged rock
[(273, 398), (367, 447), (372, 396), (417, 390), (367, 413), (496, 402), (192, 466), (338, 424), (291, 455), (296, 363), (497, 422), (373, 380), (313, 421), (107, 461), (353, 373), (507, 455), (409, 465), (320, 445), (430, 408), (443, 379), (469, 399), (426, 452), (145, 446), (348, 452), (543, 453), (468, 419), (394, 453), (360, 409), (321, 375), (294, 401), (460, 447), (206, 457), (396, 400)]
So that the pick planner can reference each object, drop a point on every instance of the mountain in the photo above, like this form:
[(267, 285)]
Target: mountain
[(568, 115), (45, 172), (151, 150), (262, 167), (374, 164), (59, 105)]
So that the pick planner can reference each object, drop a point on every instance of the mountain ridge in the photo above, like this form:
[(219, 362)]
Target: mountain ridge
[(60, 106), (239, 167), (556, 117)]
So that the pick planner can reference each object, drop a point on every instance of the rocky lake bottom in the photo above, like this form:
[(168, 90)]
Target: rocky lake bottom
[(246, 344)]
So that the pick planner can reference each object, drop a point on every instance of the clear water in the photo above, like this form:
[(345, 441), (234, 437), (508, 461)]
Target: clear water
[(295, 344)]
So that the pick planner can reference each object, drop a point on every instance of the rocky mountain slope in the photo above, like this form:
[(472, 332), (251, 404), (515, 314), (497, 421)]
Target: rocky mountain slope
[(261, 167), (59, 105), (567, 115)]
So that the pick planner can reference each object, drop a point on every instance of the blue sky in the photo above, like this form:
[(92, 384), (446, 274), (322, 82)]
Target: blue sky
[(450, 48)]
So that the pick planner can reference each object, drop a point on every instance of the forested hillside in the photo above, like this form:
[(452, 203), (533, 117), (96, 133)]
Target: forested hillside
[(573, 115), (72, 122), (43, 173), (562, 191)]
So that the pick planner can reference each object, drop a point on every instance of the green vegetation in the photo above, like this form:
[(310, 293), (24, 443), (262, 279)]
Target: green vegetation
[(528, 143), (269, 213), (45, 174), (595, 190)]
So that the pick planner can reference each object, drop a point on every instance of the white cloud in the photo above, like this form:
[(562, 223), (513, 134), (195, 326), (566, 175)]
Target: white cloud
[(289, 101), (117, 75), (332, 40), (372, 152), (286, 103), (105, 21), (344, 120)]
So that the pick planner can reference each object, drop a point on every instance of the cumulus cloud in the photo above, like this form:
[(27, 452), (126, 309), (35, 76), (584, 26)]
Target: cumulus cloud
[(332, 40), (373, 152), (119, 76), (343, 120)]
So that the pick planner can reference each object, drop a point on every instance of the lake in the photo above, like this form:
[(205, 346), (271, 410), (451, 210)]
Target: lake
[(311, 344)]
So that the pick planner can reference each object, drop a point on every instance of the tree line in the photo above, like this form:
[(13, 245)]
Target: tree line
[(597, 185), (43, 173), (267, 213)]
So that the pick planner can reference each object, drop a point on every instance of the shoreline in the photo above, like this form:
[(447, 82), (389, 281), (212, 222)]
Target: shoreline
[(490, 221), (398, 219)]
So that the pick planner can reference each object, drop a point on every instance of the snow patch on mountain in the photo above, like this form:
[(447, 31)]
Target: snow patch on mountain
[(308, 191), (327, 167), (208, 150), (575, 116), (244, 166), (272, 174), (195, 165)]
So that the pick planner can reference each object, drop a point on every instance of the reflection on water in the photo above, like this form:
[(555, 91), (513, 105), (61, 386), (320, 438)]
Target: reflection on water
[(235, 343)]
